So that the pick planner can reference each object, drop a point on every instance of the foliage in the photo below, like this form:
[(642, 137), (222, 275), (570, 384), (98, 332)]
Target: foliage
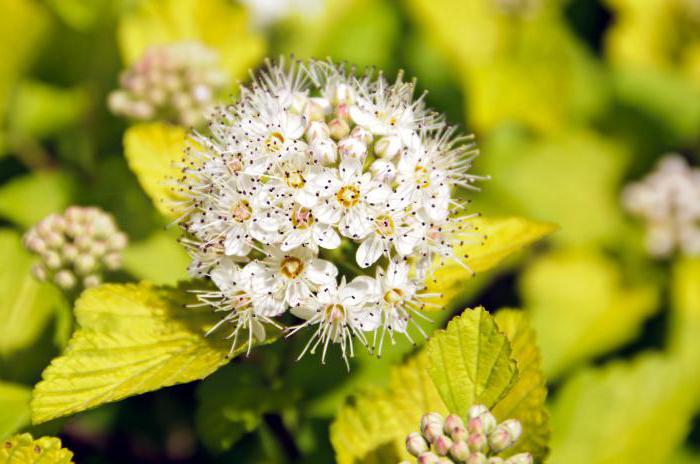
[(25, 450)]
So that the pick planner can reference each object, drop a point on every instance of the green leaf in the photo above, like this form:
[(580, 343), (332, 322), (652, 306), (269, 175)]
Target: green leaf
[(23, 449), (685, 294), (500, 238), (14, 404), (470, 362), (40, 110), (153, 151), (622, 414), (26, 306), (378, 421), (580, 308), (525, 401), (18, 18), (131, 339), (572, 163), (46, 192), (232, 402), (159, 259)]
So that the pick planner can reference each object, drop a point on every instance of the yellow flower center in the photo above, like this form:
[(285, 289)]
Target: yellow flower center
[(384, 225), (241, 211), (393, 296), (422, 177), (348, 196), (335, 313), (274, 142), (234, 166), (291, 267), (302, 218), (295, 179)]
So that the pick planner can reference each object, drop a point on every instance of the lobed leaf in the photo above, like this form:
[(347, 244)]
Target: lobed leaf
[(525, 401), (498, 239), (470, 361), (24, 449), (132, 339), (153, 151)]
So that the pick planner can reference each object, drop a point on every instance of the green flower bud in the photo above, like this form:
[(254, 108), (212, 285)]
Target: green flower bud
[(339, 128)]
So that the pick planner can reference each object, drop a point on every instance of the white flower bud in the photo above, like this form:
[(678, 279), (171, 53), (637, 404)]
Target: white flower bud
[(85, 264), (39, 272), (317, 109), (383, 170), (416, 444), (112, 261), (360, 133), (65, 279), (496, 460), (343, 94), (353, 148), (117, 241), (324, 151), (388, 147), (317, 130), (505, 435), (339, 128), (521, 458), (54, 239), (93, 280), (431, 418), (52, 260), (431, 431)]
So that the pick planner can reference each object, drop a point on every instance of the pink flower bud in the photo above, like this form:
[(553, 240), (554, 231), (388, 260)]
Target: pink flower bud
[(459, 434), (496, 460), (432, 431), (477, 458), (353, 148), (459, 451), (317, 130), (362, 134), (505, 435), (477, 441), (453, 422), (387, 147), (338, 128), (428, 458), (442, 445), (92, 280), (65, 279)]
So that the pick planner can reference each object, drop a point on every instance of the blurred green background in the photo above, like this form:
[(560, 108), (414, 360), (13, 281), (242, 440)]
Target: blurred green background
[(569, 101)]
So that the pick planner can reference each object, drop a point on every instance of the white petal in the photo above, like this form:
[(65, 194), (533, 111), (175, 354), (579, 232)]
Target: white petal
[(326, 237), (349, 169), (321, 272), (378, 194), (358, 292), (306, 198), (236, 243), (397, 274), (366, 319), (328, 293), (369, 251), (355, 224), (294, 239), (258, 329), (327, 213), (296, 293), (405, 243), (269, 306), (224, 275)]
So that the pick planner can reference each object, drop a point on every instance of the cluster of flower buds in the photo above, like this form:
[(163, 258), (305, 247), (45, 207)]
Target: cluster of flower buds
[(76, 247), (177, 82), (449, 440), (517, 8), (668, 200), (313, 171)]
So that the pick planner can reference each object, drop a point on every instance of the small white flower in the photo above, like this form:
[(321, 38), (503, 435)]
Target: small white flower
[(340, 313), (292, 276)]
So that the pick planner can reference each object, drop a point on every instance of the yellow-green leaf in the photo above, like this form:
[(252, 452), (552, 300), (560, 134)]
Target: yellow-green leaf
[(625, 413), (376, 423), (47, 192), (525, 400), (219, 24), (26, 305), (23, 449), (132, 339), (14, 404), (686, 308), (470, 361), (580, 307), (501, 237), (159, 259), (153, 151)]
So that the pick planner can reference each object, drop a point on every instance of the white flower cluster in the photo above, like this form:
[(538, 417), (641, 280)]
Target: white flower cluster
[(316, 169), (76, 247), (668, 200), (448, 440), (176, 82)]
